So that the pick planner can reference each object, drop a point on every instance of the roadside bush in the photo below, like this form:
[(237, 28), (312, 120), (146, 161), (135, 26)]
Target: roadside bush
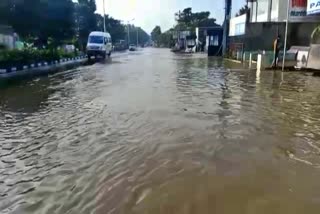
[(18, 58), (315, 36), (2, 47)]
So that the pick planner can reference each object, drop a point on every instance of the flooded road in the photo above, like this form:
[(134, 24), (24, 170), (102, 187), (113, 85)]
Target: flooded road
[(154, 132)]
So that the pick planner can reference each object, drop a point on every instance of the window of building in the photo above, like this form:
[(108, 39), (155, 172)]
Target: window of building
[(240, 29), (274, 10), (262, 12), (214, 40), (253, 7)]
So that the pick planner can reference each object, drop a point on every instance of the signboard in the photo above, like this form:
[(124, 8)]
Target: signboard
[(313, 7), (298, 8)]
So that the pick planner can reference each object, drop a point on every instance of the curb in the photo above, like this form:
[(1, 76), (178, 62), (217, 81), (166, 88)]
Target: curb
[(39, 64), (41, 68)]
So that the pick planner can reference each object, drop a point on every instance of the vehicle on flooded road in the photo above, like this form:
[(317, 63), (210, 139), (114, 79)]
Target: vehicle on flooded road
[(132, 47), (99, 44)]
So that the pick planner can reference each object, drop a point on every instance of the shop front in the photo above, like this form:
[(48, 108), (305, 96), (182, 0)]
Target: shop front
[(267, 19)]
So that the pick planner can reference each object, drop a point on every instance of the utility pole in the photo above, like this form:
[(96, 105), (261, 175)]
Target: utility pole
[(104, 17), (286, 36), (227, 17), (137, 36), (128, 34), (128, 28)]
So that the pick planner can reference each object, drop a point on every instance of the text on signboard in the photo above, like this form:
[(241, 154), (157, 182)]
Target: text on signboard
[(312, 5)]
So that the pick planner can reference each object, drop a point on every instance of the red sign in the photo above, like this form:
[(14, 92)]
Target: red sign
[(298, 8), (299, 3)]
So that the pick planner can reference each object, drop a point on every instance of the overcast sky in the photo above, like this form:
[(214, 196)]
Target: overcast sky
[(149, 13)]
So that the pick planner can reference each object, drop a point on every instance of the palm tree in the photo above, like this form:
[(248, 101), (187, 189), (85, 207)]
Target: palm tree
[(315, 36)]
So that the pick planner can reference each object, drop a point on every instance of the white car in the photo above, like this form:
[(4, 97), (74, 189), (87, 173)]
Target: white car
[(99, 44), (132, 47)]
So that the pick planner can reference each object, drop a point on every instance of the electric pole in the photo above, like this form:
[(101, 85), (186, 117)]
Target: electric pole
[(104, 17), (226, 24), (137, 36)]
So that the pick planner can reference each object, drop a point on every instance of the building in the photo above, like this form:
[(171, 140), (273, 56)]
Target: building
[(209, 39), (266, 19), (276, 10), (7, 36)]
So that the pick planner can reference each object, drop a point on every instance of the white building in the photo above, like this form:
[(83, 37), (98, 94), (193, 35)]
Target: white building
[(7, 36), (266, 20), (276, 10), (238, 25)]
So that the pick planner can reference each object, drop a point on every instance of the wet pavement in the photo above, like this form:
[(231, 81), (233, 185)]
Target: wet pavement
[(154, 132)]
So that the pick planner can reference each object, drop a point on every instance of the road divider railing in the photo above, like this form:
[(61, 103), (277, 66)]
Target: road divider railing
[(26, 67)]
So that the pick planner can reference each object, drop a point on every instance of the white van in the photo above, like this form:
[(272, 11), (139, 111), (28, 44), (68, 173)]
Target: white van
[(99, 44)]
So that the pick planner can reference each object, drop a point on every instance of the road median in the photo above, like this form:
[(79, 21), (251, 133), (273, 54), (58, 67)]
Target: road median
[(42, 68)]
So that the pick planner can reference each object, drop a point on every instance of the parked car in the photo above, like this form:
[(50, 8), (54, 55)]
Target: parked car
[(99, 44)]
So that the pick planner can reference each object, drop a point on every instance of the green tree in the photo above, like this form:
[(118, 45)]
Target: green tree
[(22, 15), (210, 22), (184, 17), (5, 7), (155, 35), (143, 36), (85, 19), (243, 10), (58, 20), (40, 19), (113, 26), (138, 35), (187, 20), (315, 36), (166, 39)]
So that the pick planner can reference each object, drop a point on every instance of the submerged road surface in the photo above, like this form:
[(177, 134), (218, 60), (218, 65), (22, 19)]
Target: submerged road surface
[(154, 132)]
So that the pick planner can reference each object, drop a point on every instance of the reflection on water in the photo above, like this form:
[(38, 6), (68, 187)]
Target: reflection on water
[(156, 132)]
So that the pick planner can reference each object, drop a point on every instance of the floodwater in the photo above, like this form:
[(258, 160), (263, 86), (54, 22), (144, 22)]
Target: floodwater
[(154, 132)]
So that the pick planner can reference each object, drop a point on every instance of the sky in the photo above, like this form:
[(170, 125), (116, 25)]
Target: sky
[(149, 13)]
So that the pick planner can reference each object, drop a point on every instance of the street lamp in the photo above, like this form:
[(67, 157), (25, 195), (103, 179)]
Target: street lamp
[(129, 30), (104, 17)]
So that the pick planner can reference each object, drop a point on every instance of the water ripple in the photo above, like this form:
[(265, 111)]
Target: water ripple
[(156, 132)]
